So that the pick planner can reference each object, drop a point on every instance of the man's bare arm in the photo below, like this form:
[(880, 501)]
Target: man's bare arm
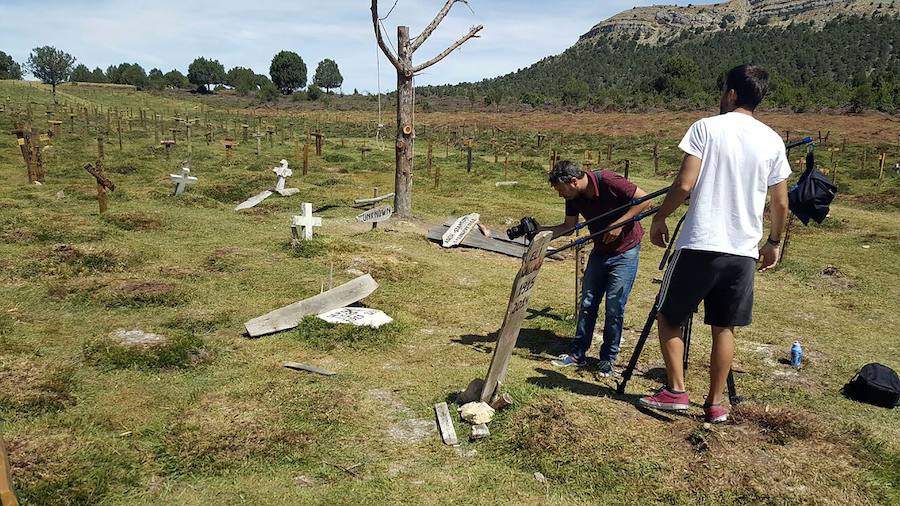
[(778, 212), (677, 194), (567, 225)]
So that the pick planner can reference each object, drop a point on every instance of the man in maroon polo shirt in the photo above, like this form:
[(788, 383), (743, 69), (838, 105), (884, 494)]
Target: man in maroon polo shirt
[(613, 263)]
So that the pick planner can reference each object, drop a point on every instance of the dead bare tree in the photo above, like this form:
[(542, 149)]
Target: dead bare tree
[(402, 61)]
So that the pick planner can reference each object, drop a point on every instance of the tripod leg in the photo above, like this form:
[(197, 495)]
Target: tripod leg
[(733, 397), (638, 347), (686, 334)]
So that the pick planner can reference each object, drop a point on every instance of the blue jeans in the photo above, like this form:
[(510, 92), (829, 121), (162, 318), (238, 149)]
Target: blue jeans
[(612, 275)]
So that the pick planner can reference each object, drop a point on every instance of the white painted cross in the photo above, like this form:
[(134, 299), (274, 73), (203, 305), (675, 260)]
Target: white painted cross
[(183, 180), (306, 221), (282, 172)]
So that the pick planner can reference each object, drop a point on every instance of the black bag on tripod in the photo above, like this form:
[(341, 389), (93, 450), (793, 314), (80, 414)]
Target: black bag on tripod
[(812, 194), (875, 384)]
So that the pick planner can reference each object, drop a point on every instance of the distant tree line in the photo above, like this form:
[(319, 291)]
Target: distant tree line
[(851, 63), (287, 74)]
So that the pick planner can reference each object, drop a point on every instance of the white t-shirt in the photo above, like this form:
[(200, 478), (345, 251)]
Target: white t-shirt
[(740, 158)]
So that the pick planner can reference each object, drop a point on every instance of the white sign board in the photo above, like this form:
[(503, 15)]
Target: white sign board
[(376, 215), (359, 316), (459, 229)]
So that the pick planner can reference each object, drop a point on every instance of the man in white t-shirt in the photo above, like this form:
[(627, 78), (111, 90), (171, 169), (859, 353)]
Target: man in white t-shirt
[(731, 162)]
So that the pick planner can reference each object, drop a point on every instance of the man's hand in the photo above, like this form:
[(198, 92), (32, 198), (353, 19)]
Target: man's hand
[(612, 235), (768, 256), (659, 232)]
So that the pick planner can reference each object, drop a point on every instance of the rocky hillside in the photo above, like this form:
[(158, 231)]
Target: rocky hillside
[(664, 23)]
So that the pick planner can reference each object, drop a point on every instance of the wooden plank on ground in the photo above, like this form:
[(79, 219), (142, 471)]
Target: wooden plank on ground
[(363, 202), (515, 313), (445, 424), (297, 366), (7, 496), (289, 317), (479, 241)]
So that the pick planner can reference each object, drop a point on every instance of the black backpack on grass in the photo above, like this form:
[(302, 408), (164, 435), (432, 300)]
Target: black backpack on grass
[(875, 384)]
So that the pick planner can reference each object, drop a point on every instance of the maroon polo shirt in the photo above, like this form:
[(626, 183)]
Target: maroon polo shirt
[(607, 191)]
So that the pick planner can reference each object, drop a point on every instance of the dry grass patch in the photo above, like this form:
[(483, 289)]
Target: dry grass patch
[(32, 388), (134, 221), (135, 293)]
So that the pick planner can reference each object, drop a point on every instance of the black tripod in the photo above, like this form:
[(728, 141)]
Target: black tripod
[(685, 328)]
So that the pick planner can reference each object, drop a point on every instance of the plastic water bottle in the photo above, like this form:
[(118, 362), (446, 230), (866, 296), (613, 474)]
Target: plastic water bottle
[(796, 355)]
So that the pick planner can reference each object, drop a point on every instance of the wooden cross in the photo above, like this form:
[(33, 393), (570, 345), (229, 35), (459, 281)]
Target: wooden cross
[(184, 179), (259, 137), (305, 223), (320, 141), (229, 146), (168, 145), (103, 183)]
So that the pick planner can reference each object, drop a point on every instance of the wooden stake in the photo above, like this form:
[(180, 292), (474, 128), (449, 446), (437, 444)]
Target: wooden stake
[(881, 166), (428, 160), (306, 154), (119, 129)]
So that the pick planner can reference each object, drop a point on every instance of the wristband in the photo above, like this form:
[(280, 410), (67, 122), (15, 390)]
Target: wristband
[(773, 242)]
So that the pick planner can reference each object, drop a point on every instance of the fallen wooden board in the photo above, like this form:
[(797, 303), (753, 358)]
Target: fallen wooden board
[(445, 424), (252, 201), (289, 317), (497, 243), (297, 366)]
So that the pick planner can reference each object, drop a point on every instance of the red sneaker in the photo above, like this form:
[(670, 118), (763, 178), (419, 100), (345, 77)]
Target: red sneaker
[(666, 401), (715, 413)]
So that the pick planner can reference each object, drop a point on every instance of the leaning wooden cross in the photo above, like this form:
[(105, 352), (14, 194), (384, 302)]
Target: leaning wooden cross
[(103, 184), (515, 313)]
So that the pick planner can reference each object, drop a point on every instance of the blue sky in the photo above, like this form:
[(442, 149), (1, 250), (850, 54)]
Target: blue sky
[(170, 33)]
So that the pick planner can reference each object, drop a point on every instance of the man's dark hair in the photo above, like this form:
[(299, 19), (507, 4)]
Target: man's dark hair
[(750, 82), (564, 171)]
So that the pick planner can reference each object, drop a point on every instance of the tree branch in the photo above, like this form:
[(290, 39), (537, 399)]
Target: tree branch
[(473, 33), (387, 52), (418, 41)]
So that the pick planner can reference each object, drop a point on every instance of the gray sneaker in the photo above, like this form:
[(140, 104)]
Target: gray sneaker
[(605, 369)]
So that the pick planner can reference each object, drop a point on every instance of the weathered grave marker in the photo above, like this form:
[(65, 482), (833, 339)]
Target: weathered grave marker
[(358, 316), (515, 313), (290, 316), (229, 146), (460, 228), (183, 180), (168, 145), (103, 184), (258, 137), (320, 142), (283, 172), (375, 215), (302, 225)]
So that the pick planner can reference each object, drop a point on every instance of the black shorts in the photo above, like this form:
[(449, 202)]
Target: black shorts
[(722, 281)]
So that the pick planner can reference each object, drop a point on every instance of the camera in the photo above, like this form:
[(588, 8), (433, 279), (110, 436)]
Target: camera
[(527, 227)]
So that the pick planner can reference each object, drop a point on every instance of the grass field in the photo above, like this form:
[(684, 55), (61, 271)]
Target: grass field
[(210, 416)]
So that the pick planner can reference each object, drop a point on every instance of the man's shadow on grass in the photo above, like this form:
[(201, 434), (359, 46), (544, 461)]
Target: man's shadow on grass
[(552, 379), (538, 342)]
